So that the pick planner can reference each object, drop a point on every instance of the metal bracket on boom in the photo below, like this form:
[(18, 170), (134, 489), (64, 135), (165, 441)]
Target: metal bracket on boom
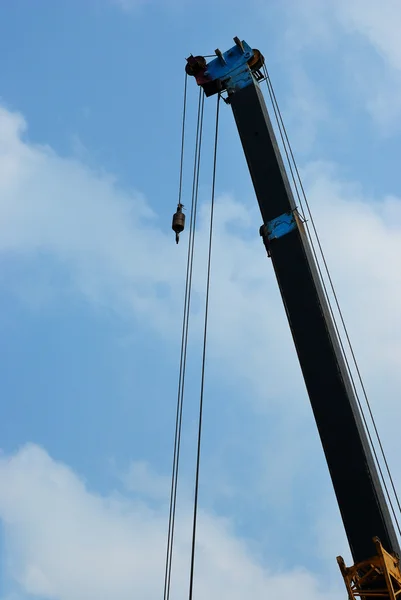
[(281, 225), (278, 227), (377, 577)]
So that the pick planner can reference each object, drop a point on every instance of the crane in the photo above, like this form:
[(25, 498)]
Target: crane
[(364, 510)]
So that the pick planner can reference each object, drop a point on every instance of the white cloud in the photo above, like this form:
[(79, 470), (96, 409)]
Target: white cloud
[(67, 543), (117, 254), (379, 23), (141, 480), (359, 38), (305, 111)]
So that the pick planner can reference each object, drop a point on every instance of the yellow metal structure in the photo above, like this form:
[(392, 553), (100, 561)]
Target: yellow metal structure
[(377, 577)]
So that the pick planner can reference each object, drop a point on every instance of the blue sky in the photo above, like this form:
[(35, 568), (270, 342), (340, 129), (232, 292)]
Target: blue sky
[(92, 289)]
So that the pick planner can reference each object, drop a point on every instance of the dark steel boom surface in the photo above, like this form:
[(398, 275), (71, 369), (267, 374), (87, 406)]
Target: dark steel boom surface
[(353, 472)]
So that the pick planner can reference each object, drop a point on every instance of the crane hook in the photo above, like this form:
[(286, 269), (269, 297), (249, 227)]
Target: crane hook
[(178, 222)]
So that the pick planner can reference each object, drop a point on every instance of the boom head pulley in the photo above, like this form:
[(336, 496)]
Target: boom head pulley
[(229, 71)]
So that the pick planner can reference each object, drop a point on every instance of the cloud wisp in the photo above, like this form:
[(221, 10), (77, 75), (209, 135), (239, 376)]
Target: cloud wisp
[(363, 38), (118, 255), (67, 543)]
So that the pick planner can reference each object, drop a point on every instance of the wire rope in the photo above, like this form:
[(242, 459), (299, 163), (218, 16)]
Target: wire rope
[(293, 167), (185, 329), (209, 263)]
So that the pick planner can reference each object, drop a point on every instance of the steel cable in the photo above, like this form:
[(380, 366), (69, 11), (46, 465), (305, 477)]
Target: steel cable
[(209, 263), (185, 328), (289, 154)]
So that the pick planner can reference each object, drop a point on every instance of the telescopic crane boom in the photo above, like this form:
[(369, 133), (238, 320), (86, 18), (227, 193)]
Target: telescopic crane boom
[(353, 472)]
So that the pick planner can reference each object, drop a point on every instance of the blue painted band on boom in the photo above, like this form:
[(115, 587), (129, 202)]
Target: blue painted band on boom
[(232, 69), (281, 225)]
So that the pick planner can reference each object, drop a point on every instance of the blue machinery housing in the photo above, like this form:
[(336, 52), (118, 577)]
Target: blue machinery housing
[(232, 68), (353, 472)]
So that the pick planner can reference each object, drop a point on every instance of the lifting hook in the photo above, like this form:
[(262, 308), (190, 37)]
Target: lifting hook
[(178, 222)]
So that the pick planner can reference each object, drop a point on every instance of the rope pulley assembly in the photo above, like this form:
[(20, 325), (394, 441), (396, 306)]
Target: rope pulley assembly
[(178, 222)]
